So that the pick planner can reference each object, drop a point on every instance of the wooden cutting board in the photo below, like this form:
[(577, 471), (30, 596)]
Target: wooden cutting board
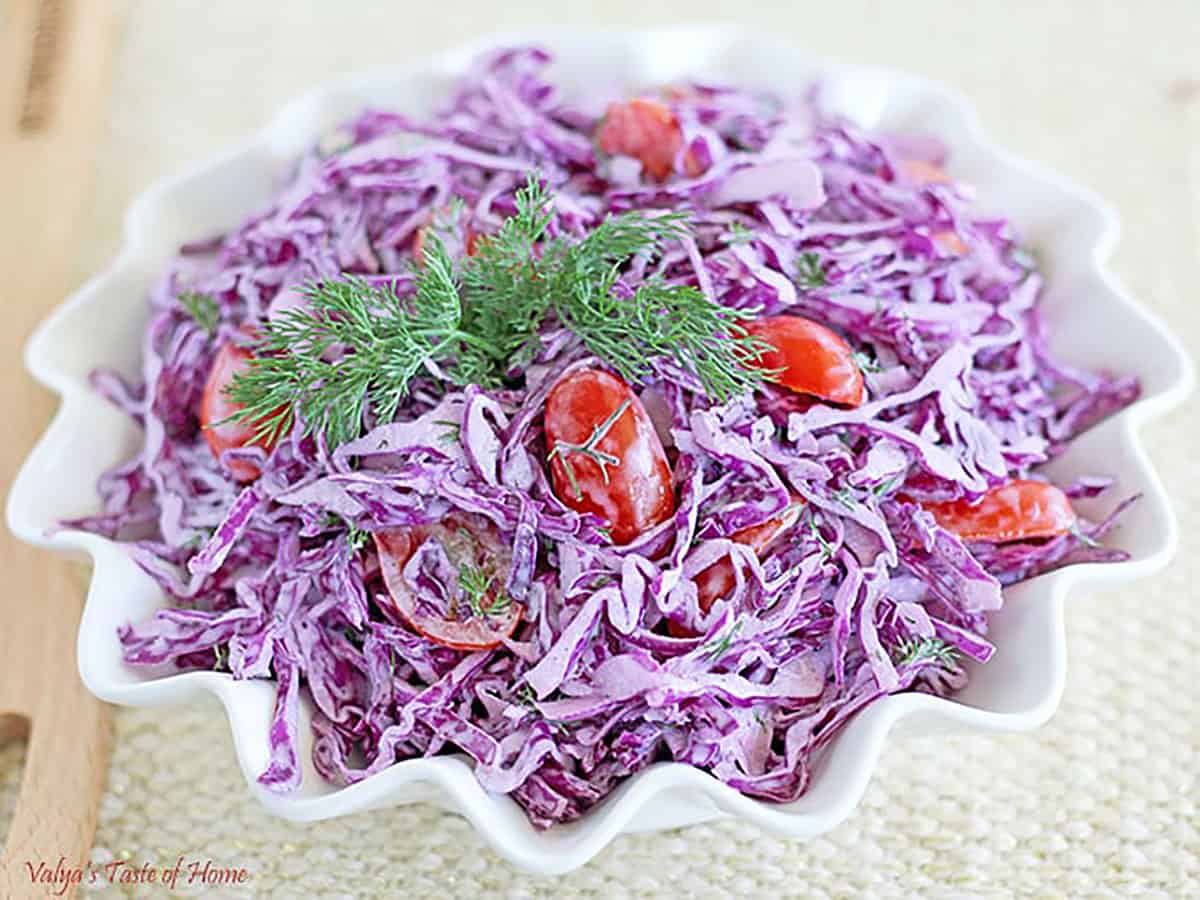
[(55, 78)]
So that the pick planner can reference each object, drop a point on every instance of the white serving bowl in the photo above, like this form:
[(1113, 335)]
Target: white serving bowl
[(101, 325)]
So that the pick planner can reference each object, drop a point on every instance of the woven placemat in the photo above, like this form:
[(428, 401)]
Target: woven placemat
[(1101, 802)]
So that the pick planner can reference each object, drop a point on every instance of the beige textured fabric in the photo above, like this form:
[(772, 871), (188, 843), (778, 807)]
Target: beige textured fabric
[(1101, 802)]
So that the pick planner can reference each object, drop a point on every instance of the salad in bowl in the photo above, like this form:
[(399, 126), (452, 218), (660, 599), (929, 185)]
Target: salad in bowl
[(575, 432)]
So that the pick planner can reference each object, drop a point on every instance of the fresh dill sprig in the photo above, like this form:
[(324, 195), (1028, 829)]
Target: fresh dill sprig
[(202, 308), (809, 271), (527, 697), (356, 346), (589, 449), (822, 541), (453, 432), (717, 647), (1087, 540), (1026, 258), (511, 289), (845, 497), (199, 539), (475, 582), (886, 487), (737, 233), (356, 537), (391, 341), (662, 320), (930, 649), (866, 363)]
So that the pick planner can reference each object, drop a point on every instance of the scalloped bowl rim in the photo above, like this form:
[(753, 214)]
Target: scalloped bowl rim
[(684, 794)]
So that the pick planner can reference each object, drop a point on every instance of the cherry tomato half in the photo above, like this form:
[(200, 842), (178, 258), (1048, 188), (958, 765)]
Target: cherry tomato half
[(647, 131), (719, 579), (813, 359), (605, 456), (468, 237), (921, 172), (468, 541), (948, 240), (216, 408), (1016, 511)]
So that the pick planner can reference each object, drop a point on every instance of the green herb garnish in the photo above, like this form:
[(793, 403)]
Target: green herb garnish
[(1090, 542), (737, 233), (885, 487), (588, 449), (867, 363), (826, 547), (845, 497), (809, 271), (391, 341), (717, 647), (478, 319), (1025, 258), (453, 432), (199, 539), (356, 537), (202, 308), (919, 650), (475, 582), (526, 697)]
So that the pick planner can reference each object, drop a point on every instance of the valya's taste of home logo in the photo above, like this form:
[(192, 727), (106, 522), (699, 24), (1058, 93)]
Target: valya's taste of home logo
[(60, 877)]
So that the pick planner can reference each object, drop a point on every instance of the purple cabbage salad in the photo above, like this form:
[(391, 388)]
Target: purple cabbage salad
[(611, 663)]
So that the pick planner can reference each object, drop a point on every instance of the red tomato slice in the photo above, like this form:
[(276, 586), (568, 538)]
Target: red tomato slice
[(813, 359), (467, 540), (949, 241), (680, 93), (921, 172), (605, 456), (1016, 511), (469, 237), (647, 131), (719, 579), (216, 407)]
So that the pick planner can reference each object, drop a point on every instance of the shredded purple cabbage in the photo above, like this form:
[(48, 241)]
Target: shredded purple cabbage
[(797, 211)]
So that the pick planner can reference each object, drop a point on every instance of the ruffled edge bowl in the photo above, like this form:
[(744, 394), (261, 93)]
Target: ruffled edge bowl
[(1073, 231)]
